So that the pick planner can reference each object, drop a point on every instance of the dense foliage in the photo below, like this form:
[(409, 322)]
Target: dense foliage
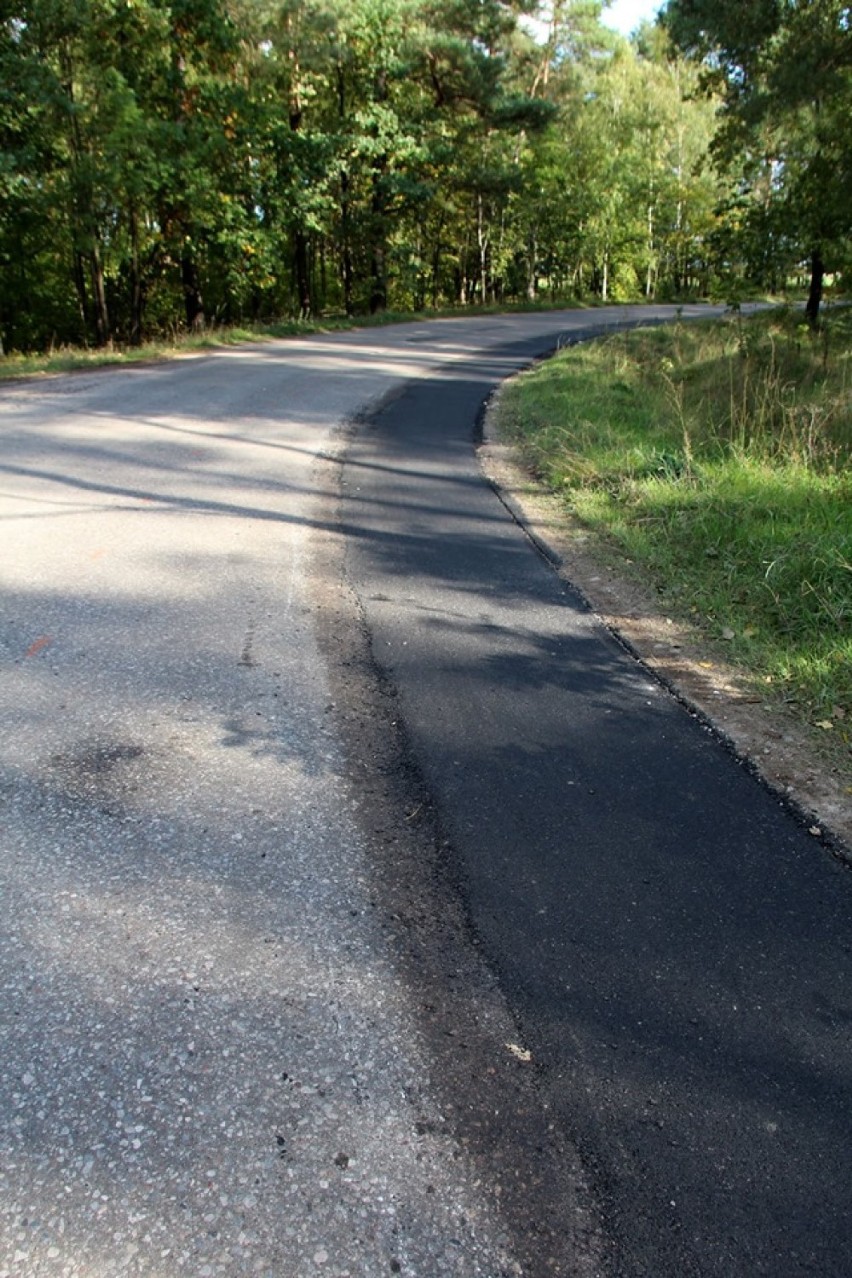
[(165, 164), (784, 71)]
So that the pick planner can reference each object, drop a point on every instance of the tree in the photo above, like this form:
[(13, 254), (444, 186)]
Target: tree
[(169, 163), (785, 72)]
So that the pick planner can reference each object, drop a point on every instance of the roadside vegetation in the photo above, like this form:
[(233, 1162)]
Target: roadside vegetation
[(716, 458), (165, 168), (70, 358)]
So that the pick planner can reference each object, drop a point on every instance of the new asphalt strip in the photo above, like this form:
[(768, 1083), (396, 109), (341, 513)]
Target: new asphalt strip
[(674, 945)]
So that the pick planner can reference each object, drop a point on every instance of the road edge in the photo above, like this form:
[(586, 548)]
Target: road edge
[(770, 743), (488, 1089)]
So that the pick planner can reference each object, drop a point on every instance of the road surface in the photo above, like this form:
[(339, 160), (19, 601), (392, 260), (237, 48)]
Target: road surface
[(319, 956)]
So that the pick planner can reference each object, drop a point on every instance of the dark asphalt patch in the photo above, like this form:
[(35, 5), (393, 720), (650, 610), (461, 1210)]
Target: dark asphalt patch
[(674, 946), (490, 1099)]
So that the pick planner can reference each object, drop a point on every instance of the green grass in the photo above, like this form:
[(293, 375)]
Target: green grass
[(66, 359), (716, 457)]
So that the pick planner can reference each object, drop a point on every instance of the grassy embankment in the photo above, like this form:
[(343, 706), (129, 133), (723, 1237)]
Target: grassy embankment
[(717, 457)]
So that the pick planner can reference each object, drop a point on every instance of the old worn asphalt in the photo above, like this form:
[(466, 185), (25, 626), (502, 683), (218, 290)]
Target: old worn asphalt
[(365, 908)]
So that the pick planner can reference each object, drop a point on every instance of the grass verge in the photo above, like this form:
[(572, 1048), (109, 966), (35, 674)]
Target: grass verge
[(68, 359), (716, 458)]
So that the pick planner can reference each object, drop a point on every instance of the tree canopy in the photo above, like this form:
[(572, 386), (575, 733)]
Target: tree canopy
[(783, 69), (166, 164)]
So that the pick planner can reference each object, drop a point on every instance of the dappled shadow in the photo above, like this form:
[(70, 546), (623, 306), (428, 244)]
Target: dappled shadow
[(203, 1026), (189, 893), (189, 1037), (109, 660)]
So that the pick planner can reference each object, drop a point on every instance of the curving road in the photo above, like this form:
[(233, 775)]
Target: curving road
[(365, 909)]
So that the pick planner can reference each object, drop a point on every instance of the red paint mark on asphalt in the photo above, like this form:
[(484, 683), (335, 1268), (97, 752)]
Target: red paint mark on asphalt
[(36, 647), (98, 554)]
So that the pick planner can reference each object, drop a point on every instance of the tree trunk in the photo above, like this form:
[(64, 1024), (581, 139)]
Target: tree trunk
[(378, 282), (99, 302), (346, 269), (378, 263), (419, 288), (87, 253), (482, 239), (815, 291), (193, 301), (323, 274), (378, 216), (300, 239), (82, 295), (649, 274), (532, 277), (303, 274), (436, 269), (378, 248), (137, 291)]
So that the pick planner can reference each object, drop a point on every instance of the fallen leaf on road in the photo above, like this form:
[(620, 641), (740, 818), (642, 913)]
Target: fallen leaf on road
[(520, 1053), (38, 645)]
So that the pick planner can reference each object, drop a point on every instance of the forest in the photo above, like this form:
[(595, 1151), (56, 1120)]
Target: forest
[(166, 165)]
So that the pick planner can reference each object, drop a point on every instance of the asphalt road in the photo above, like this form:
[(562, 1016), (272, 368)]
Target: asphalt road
[(298, 864), (674, 945)]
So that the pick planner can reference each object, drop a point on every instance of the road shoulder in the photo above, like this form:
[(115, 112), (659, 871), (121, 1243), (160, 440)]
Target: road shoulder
[(761, 732), (483, 1091)]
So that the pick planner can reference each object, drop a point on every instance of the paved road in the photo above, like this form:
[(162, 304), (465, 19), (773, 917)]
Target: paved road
[(675, 947), (245, 1027)]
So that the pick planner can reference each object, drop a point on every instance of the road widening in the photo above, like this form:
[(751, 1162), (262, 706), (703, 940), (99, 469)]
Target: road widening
[(674, 944), (244, 1028)]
